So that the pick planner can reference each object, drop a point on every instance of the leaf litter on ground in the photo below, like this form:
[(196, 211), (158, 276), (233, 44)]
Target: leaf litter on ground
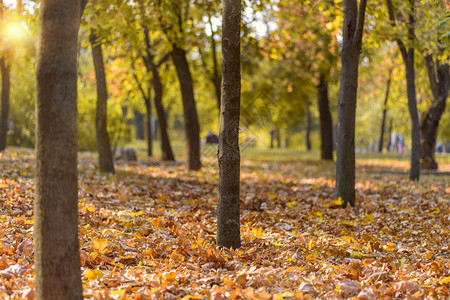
[(148, 232)]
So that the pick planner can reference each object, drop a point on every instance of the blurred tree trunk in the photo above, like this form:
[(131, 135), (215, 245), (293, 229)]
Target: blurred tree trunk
[(56, 246), (326, 123), (5, 94), (408, 60), (351, 49), (152, 67), (6, 86), (148, 125), (438, 74), (383, 120), (139, 120), (191, 124), (308, 128), (167, 152), (101, 125), (228, 218), (389, 135)]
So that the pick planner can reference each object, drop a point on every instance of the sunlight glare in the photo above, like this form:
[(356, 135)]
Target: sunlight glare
[(14, 32)]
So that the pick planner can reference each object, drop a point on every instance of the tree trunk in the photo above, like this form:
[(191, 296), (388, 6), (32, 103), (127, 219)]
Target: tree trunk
[(389, 135), (326, 123), (101, 125), (216, 75), (167, 153), (345, 149), (408, 60), (414, 173), (191, 125), (56, 247), (139, 120), (228, 219), (308, 128), (6, 70), (430, 119), (148, 126), (383, 120)]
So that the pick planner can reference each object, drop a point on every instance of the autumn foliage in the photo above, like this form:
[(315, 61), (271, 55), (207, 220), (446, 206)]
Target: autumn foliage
[(148, 232)]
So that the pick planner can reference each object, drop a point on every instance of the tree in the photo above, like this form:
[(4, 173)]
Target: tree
[(103, 144), (313, 28), (383, 120), (438, 75), (228, 219), (326, 123), (172, 16), (408, 59), (57, 257), (152, 68), (345, 148), (5, 94)]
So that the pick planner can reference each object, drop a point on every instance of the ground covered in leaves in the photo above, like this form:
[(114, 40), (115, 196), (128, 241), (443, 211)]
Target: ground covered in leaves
[(148, 232)]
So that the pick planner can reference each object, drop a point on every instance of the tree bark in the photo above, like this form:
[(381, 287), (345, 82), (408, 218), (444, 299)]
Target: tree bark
[(228, 219), (139, 120), (191, 124), (148, 126), (105, 157), (326, 123), (390, 134), (345, 159), (216, 75), (408, 60), (438, 74), (152, 67), (308, 128), (6, 86), (383, 120), (56, 247), (167, 153)]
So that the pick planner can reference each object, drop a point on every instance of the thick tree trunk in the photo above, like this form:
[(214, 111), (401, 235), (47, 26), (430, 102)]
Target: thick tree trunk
[(345, 149), (228, 219), (5, 70), (56, 247), (383, 120), (148, 126), (308, 128), (103, 144), (430, 119), (167, 153), (326, 123), (191, 124)]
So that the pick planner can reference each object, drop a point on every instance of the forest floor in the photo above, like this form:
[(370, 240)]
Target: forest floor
[(149, 232)]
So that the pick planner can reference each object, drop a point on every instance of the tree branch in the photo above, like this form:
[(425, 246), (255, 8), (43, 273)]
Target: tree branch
[(360, 22), (429, 63), (394, 24)]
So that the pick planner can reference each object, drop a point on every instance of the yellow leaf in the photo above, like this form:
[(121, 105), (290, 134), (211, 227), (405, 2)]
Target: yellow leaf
[(444, 280), (435, 211), (430, 255), (338, 202), (272, 196), (368, 218), (347, 239), (93, 274), (120, 293), (100, 245)]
